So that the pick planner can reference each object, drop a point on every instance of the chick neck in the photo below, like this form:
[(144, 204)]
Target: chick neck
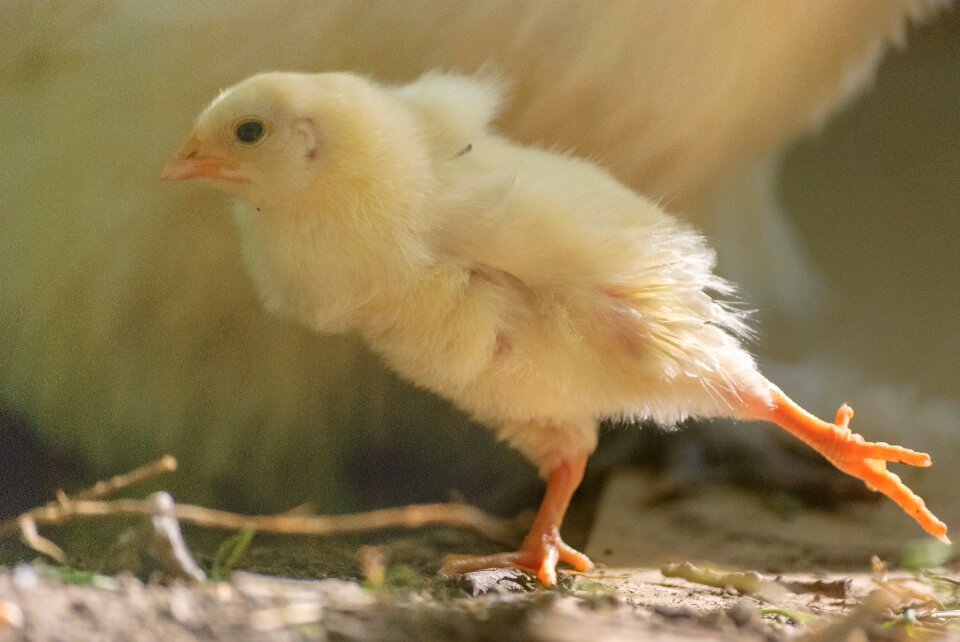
[(335, 263)]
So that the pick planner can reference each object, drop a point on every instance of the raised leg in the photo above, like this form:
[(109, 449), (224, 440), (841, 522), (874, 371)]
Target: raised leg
[(852, 454), (542, 548)]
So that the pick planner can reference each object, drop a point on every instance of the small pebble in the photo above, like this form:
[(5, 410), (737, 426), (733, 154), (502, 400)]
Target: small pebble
[(11, 615), (182, 606), (495, 580), (224, 592), (742, 613), (675, 612), (25, 577), (298, 614)]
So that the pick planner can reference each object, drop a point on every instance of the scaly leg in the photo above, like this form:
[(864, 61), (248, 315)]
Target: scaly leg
[(542, 548), (852, 454)]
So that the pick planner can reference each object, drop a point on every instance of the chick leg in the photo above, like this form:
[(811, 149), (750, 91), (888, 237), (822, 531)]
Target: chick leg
[(852, 454), (542, 548)]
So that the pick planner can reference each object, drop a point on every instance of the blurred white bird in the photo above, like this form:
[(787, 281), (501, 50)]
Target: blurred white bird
[(529, 287)]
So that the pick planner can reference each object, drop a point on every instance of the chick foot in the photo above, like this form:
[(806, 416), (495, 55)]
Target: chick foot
[(855, 456), (540, 554), (542, 548)]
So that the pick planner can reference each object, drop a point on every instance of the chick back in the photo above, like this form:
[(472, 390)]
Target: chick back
[(559, 293)]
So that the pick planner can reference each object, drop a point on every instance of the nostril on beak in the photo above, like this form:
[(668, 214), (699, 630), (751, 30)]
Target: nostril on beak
[(191, 149)]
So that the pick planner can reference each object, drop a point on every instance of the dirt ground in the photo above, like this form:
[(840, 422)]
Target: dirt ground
[(812, 580)]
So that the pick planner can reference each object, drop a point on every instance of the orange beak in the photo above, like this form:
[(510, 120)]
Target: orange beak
[(191, 162)]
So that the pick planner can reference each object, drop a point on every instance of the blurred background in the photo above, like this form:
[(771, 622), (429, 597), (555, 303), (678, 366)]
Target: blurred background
[(816, 146)]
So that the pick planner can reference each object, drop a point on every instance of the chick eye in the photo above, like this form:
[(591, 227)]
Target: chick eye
[(249, 131)]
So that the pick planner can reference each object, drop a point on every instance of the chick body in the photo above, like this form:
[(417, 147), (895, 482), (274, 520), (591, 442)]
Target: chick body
[(527, 286)]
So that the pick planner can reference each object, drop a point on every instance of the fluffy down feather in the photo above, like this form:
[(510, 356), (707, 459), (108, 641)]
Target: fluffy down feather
[(130, 328), (529, 287)]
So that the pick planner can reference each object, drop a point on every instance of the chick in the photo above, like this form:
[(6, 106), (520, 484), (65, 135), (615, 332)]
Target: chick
[(529, 287)]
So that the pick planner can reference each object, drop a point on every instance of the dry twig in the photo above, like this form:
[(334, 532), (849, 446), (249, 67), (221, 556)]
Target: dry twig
[(87, 504), (373, 565), (749, 582), (858, 622), (754, 583), (903, 589), (115, 484)]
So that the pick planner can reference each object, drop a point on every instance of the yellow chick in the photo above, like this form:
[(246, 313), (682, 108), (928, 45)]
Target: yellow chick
[(529, 287)]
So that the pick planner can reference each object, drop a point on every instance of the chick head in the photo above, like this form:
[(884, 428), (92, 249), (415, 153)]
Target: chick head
[(274, 137)]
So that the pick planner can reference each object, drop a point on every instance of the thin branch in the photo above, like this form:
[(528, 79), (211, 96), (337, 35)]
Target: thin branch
[(32, 538), (26, 524), (90, 503), (500, 530), (117, 483)]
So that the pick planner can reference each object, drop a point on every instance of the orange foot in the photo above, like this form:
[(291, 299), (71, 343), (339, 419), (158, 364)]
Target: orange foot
[(540, 554), (542, 548), (855, 456)]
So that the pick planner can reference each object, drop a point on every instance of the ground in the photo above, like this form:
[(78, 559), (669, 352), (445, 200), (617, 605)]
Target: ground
[(815, 579)]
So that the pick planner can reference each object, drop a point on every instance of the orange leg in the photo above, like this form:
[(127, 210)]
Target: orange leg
[(542, 548), (853, 455)]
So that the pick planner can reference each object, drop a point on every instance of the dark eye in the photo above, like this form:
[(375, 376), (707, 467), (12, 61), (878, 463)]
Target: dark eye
[(249, 131)]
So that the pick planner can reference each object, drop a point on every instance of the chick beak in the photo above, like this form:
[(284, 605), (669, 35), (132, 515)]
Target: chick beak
[(192, 162)]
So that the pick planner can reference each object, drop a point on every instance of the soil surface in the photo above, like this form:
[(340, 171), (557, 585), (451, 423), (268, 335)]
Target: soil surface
[(716, 564)]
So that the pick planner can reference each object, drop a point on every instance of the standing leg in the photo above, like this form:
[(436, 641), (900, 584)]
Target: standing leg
[(542, 548)]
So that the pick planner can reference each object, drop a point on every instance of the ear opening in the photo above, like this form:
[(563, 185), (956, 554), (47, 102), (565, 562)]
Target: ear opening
[(306, 129)]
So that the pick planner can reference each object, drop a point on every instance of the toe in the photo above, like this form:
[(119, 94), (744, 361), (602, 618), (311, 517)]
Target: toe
[(457, 564), (854, 448), (880, 479), (541, 560), (547, 573), (888, 452), (574, 558), (843, 417)]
